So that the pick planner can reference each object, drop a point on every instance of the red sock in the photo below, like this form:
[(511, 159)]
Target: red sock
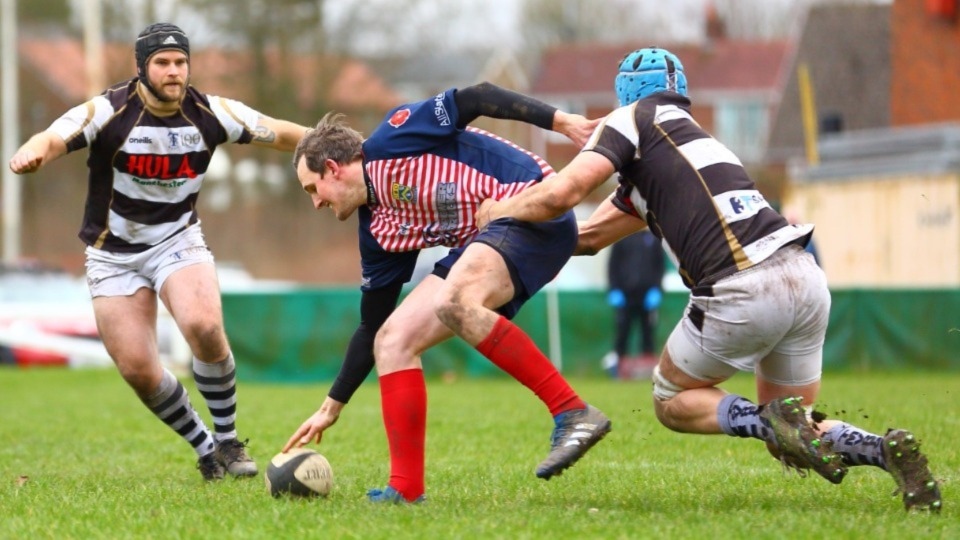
[(510, 349), (403, 400)]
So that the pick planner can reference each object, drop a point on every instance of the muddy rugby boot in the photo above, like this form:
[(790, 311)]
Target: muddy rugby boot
[(908, 466), (232, 455), (210, 468), (800, 447)]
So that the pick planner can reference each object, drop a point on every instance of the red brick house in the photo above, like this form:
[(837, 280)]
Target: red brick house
[(925, 61), (734, 85)]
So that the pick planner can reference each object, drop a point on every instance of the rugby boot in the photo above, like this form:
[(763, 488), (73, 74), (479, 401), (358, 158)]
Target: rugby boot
[(800, 446)]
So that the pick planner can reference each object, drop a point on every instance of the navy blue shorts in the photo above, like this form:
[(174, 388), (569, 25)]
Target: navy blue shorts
[(534, 253)]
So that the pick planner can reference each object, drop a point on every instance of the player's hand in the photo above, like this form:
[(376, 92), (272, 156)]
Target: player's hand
[(482, 216), (576, 127), (25, 161), (312, 429)]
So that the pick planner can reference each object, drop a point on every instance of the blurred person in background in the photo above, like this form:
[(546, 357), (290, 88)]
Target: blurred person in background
[(150, 140), (415, 183), (759, 302), (634, 274), (792, 215)]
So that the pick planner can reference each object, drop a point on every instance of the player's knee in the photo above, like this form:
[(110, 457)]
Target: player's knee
[(451, 312), (139, 376), (391, 346), (205, 333), (664, 406), (663, 389)]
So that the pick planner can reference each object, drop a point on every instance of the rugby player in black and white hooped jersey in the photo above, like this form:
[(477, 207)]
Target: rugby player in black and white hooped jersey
[(150, 140), (759, 302)]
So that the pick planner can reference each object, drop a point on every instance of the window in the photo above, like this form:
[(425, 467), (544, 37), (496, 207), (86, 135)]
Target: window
[(742, 126)]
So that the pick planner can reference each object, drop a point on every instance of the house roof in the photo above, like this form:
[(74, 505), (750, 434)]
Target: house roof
[(348, 84), (721, 65), (846, 48)]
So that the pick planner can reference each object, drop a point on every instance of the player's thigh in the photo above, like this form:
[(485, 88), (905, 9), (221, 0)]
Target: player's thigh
[(192, 294), (480, 277), (127, 327), (686, 364)]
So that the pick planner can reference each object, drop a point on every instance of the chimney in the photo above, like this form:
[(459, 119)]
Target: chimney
[(716, 27)]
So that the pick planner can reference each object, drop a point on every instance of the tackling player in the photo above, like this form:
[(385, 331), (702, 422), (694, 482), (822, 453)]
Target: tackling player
[(758, 303)]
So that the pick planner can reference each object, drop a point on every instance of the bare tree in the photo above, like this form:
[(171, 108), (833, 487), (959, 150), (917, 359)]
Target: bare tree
[(43, 12), (546, 22), (272, 31), (407, 27)]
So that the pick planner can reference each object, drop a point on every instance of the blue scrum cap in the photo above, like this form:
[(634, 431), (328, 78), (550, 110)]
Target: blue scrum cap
[(647, 71)]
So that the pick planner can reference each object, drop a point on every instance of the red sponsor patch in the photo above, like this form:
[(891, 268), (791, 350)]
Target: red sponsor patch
[(399, 117)]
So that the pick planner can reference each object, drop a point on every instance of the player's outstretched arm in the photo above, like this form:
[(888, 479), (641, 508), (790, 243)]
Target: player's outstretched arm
[(605, 226), (554, 196), (311, 430), (490, 100), (575, 127), (375, 306), (278, 134), (39, 150)]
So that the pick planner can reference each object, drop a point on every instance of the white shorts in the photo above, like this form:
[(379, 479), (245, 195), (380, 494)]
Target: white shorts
[(122, 274), (769, 319)]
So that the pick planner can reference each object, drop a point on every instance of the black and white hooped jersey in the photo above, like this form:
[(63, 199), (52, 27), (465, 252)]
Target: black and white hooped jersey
[(146, 170), (691, 190)]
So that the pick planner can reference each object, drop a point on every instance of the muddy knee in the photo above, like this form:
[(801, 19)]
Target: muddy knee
[(451, 313)]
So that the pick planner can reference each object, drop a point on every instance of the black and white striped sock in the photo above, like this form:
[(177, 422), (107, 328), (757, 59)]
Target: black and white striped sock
[(171, 404), (217, 383)]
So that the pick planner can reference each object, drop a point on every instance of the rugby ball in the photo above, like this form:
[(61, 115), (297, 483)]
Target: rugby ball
[(301, 472)]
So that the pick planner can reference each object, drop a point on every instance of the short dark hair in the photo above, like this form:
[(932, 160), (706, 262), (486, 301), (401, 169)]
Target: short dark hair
[(332, 139)]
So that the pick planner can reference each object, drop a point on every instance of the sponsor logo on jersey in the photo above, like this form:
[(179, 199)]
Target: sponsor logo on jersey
[(747, 202), (399, 118), (440, 110), (159, 167), (140, 140), (434, 237), (443, 232), (740, 204), (402, 193), (191, 139), (169, 184), (174, 139)]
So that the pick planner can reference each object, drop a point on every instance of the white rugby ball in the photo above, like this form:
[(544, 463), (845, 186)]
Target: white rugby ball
[(301, 472)]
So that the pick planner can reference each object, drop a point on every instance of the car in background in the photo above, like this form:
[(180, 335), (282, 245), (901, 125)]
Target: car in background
[(46, 319), (44, 314)]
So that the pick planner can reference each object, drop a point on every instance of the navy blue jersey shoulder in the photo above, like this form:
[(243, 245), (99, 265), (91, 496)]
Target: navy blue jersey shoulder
[(430, 126)]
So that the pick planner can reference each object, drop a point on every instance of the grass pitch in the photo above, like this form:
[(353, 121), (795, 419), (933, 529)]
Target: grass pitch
[(81, 458)]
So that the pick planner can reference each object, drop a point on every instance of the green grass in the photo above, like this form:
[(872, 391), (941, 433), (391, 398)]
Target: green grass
[(100, 466)]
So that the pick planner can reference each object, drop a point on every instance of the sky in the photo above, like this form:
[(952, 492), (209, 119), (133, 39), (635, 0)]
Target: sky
[(499, 20)]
